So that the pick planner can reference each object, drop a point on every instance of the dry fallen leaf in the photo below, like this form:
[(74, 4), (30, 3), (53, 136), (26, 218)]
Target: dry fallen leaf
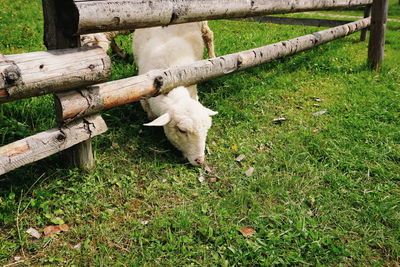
[(33, 232), (77, 246), (54, 229), (320, 112), (279, 120), (240, 158), (212, 180), (247, 231), (196, 194), (64, 227), (249, 172), (317, 105)]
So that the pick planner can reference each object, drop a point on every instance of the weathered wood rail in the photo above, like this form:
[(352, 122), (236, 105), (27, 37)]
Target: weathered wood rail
[(299, 21), (76, 74), (38, 73), (88, 16), (72, 105), (47, 143)]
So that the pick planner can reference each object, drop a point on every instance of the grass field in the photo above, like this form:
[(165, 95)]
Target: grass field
[(325, 189)]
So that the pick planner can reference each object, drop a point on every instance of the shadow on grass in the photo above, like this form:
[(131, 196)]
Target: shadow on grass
[(125, 122)]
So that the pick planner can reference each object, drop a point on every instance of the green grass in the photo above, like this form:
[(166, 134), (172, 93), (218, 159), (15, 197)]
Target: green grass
[(325, 190)]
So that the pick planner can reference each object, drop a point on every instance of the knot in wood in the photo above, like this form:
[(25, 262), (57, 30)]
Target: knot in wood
[(116, 21), (158, 82), (239, 62), (12, 74), (61, 137)]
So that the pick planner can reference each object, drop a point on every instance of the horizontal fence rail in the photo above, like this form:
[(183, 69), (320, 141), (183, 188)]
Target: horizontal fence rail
[(75, 104), (47, 143), (88, 16), (38, 73), (299, 21)]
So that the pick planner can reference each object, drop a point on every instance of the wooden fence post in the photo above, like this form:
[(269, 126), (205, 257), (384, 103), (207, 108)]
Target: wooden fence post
[(377, 36), (367, 13), (80, 155)]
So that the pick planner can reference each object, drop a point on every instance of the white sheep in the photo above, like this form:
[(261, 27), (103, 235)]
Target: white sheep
[(105, 40), (185, 121)]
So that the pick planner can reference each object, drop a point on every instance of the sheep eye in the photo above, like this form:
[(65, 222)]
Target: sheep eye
[(181, 131)]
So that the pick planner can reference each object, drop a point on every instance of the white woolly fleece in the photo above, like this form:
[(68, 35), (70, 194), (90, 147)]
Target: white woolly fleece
[(185, 120)]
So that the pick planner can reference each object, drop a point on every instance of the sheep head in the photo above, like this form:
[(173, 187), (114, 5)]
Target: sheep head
[(186, 126)]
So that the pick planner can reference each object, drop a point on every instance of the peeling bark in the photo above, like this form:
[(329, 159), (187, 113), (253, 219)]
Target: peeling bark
[(88, 16), (47, 143), (77, 104), (38, 73)]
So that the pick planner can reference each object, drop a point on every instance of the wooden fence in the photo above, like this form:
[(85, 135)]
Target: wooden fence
[(79, 84)]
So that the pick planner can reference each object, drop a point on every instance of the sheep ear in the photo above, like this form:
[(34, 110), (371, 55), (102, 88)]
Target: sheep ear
[(160, 121), (211, 112)]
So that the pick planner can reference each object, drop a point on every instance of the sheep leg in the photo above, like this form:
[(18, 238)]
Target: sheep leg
[(208, 38), (115, 48), (193, 92), (147, 109)]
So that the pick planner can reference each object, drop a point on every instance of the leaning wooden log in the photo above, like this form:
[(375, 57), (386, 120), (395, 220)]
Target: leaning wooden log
[(88, 16), (47, 143), (38, 73), (76, 104)]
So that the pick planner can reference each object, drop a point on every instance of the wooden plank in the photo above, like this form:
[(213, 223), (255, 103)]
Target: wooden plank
[(377, 36), (40, 73), (111, 15), (299, 21), (47, 143), (72, 105)]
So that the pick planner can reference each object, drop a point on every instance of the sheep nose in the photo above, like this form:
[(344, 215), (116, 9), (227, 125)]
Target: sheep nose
[(199, 161)]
